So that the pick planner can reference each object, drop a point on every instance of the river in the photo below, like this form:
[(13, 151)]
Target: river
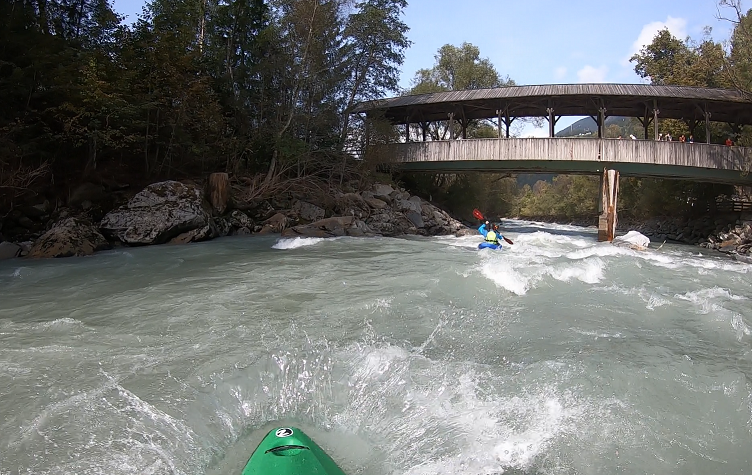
[(556, 355)]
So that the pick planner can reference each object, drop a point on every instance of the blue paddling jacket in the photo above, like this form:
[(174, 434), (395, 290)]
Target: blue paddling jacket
[(482, 229)]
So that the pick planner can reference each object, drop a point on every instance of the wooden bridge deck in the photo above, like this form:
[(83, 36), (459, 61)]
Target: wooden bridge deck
[(695, 161)]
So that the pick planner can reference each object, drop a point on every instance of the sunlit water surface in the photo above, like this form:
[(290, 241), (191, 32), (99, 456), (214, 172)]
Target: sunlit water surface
[(557, 355)]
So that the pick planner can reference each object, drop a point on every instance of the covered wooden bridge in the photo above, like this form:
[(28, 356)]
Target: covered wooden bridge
[(697, 107)]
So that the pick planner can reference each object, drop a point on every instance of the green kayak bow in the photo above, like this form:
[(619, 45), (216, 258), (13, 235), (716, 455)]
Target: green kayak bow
[(288, 451)]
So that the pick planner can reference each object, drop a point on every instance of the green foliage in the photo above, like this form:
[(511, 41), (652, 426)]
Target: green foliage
[(642, 198), (492, 193), (567, 196), (667, 60), (194, 85), (459, 68), (670, 61)]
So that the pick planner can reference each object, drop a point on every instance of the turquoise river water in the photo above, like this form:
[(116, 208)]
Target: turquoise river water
[(557, 355)]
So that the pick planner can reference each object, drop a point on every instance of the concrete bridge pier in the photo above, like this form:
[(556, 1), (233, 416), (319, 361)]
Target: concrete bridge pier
[(607, 206)]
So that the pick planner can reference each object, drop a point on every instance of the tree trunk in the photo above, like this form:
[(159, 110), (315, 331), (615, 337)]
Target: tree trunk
[(218, 190)]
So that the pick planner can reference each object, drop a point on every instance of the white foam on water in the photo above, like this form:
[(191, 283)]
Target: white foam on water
[(703, 264), (508, 277), (598, 334), (447, 414), (600, 250), (707, 300), (298, 242), (589, 271), (651, 297), (59, 324), (711, 301), (520, 275)]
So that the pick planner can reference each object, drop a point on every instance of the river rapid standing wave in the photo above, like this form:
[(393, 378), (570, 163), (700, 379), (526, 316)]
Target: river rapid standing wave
[(556, 355)]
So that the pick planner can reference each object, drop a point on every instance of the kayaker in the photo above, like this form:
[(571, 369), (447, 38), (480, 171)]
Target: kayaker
[(491, 235)]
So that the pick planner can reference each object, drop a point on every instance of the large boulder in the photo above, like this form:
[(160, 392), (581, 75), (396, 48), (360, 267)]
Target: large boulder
[(158, 213), (9, 250), (69, 237)]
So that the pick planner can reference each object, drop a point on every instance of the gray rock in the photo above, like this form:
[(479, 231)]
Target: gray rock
[(466, 232), (275, 224), (376, 203), (329, 227), (9, 250), (222, 226), (157, 214), (194, 235), (407, 205), (239, 219), (69, 237), (308, 211), (380, 190), (415, 218)]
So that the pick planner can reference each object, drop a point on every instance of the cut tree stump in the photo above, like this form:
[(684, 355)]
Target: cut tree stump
[(218, 191)]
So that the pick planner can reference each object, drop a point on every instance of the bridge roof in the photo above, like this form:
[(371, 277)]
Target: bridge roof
[(622, 100)]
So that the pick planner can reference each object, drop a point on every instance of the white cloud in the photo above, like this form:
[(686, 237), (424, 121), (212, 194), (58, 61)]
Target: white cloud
[(592, 74), (560, 73), (677, 27)]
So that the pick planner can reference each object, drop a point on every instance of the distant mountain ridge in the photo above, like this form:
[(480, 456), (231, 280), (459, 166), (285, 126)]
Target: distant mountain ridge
[(587, 126)]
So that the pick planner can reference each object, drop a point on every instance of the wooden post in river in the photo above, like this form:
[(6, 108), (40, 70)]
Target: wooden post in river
[(609, 193), (218, 191)]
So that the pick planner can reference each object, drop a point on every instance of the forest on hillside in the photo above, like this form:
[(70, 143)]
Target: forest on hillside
[(260, 88), (263, 89)]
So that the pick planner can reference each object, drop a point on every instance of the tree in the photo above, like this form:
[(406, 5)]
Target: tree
[(458, 68), (374, 47), (669, 61)]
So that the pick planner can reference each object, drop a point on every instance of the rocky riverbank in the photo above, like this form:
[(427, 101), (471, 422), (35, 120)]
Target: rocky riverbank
[(99, 217), (728, 233), (173, 212)]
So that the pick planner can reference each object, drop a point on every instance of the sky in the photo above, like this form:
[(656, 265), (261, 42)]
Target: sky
[(546, 41)]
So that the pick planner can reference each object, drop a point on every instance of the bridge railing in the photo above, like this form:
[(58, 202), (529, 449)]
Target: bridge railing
[(647, 152), (684, 154)]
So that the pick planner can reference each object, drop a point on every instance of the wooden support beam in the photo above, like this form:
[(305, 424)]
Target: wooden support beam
[(551, 121), (645, 122), (424, 129), (601, 121), (464, 122), (707, 126), (609, 195), (655, 118), (508, 122)]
